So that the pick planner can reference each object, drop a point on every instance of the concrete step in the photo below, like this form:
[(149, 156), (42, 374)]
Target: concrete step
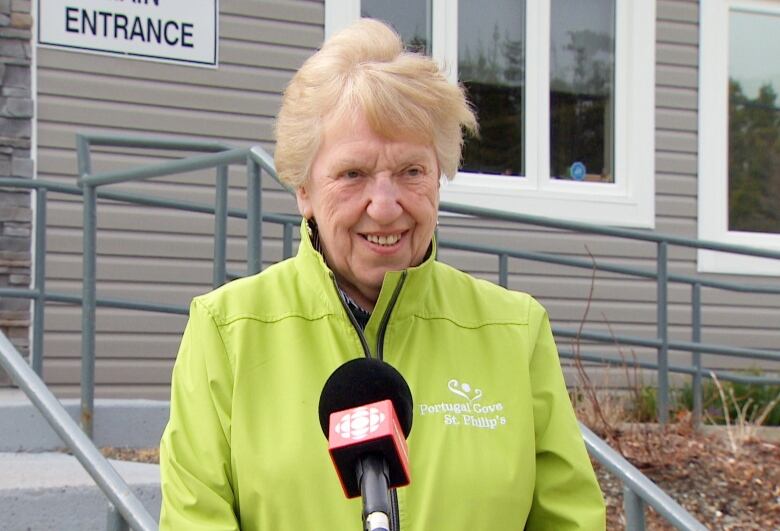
[(119, 423), (52, 492)]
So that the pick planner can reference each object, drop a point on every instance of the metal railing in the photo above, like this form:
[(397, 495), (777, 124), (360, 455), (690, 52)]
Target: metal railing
[(663, 277), (638, 490), (124, 506), (219, 156)]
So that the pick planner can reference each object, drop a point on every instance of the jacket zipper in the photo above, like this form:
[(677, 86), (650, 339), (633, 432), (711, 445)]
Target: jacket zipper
[(380, 337), (395, 524), (363, 342)]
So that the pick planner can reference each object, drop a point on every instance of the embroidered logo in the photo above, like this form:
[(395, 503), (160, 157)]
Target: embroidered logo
[(464, 389), (358, 424), (470, 411)]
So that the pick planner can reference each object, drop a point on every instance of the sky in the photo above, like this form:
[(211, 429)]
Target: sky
[(754, 55)]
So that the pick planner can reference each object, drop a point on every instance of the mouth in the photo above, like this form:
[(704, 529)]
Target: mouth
[(384, 240)]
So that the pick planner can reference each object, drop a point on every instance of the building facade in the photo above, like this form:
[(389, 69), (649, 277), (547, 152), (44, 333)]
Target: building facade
[(597, 111), (16, 125)]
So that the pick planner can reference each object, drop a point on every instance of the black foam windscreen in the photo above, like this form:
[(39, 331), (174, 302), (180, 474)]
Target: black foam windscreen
[(363, 381)]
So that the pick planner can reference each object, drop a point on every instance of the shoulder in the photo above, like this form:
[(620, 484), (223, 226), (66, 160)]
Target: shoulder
[(479, 301), (275, 293)]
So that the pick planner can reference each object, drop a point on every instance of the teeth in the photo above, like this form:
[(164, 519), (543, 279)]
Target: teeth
[(384, 240)]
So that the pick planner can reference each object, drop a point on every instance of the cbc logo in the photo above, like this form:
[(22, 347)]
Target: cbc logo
[(360, 423)]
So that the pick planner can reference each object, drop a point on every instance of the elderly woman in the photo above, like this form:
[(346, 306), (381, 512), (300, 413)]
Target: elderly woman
[(364, 134)]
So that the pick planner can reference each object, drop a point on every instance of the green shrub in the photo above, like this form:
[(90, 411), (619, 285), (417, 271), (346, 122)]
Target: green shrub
[(645, 406), (759, 397)]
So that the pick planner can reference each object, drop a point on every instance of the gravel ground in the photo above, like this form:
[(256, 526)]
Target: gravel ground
[(725, 487)]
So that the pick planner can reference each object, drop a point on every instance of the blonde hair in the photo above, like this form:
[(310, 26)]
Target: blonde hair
[(402, 95)]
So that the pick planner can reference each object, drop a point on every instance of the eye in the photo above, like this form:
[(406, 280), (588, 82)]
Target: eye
[(414, 171), (351, 174)]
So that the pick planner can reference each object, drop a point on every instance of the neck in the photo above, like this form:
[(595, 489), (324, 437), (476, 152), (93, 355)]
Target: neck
[(366, 301)]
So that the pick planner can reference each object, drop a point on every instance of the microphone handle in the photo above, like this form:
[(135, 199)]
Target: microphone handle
[(377, 522), (372, 475)]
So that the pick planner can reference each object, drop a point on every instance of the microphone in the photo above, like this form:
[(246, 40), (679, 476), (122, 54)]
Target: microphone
[(365, 412)]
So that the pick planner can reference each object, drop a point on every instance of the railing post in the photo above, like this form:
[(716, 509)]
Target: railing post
[(287, 240), (36, 356), (254, 217), (83, 157), (89, 261), (696, 355), (115, 520), (503, 270), (110, 482), (663, 334), (634, 509), (220, 227)]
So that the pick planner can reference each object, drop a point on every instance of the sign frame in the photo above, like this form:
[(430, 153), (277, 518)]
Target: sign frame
[(129, 54)]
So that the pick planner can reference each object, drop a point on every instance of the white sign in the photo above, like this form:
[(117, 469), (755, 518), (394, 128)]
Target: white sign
[(180, 31)]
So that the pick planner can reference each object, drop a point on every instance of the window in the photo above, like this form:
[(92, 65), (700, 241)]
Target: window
[(739, 141), (564, 91)]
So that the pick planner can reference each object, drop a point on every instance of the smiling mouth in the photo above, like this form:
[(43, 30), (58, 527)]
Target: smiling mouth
[(385, 239)]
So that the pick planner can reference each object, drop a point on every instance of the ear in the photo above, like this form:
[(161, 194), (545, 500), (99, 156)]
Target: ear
[(304, 202)]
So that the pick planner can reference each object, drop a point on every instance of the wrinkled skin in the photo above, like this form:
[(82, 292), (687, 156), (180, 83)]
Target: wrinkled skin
[(375, 202)]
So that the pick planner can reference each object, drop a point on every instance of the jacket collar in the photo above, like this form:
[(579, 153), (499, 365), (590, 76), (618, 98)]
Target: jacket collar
[(417, 280)]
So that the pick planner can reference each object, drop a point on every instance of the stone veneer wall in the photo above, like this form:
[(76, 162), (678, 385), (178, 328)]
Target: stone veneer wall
[(16, 116)]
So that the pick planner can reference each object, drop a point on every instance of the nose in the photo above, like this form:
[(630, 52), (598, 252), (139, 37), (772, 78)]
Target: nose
[(384, 205)]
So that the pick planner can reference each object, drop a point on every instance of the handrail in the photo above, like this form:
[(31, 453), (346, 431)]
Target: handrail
[(611, 268), (443, 243), (110, 482), (199, 162), (258, 160), (577, 226), (150, 142), (640, 485)]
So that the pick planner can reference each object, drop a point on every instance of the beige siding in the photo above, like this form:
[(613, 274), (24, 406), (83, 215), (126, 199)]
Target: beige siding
[(164, 256), (149, 254), (730, 318), (625, 304)]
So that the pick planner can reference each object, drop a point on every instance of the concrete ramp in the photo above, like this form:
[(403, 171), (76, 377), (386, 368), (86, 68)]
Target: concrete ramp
[(119, 423), (52, 492), (42, 489)]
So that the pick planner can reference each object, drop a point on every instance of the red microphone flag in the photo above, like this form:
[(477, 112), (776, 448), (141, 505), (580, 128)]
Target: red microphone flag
[(364, 430)]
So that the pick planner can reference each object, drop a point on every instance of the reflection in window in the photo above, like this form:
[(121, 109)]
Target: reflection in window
[(754, 123), (410, 18), (582, 88), (491, 65)]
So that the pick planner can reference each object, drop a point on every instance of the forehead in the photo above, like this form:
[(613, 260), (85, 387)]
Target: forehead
[(353, 137)]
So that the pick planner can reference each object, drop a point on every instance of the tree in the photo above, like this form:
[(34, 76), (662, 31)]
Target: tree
[(754, 160)]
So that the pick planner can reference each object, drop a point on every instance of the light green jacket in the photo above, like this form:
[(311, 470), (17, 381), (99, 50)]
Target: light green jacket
[(494, 445)]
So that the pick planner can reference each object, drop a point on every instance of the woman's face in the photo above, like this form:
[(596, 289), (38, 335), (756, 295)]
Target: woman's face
[(375, 202)]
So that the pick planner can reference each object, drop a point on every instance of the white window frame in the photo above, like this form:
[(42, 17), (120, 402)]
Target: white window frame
[(713, 145), (630, 201)]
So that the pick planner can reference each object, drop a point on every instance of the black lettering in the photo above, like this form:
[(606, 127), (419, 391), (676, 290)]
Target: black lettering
[(85, 21), (120, 23), (138, 30), (104, 17), (69, 12), (153, 27), (176, 28), (186, 32)]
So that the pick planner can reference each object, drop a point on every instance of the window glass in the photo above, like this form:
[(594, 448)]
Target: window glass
[(582, 88), (410, 18), (754, 122), (491, 65)]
